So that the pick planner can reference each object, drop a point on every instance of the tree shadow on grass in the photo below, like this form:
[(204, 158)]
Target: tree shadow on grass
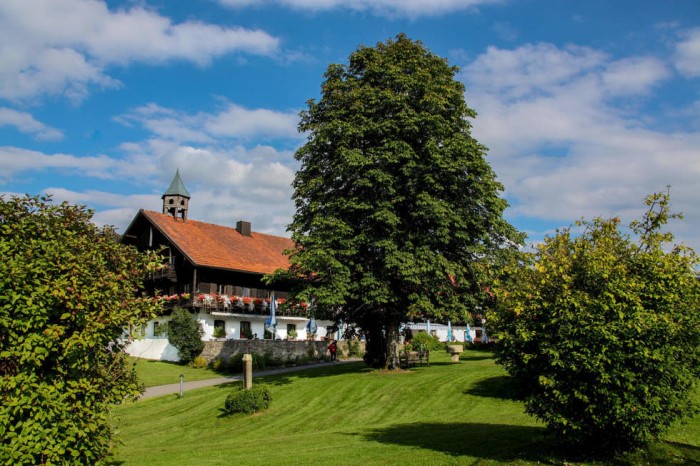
[(500, 387), (488, 441), (509, 443)]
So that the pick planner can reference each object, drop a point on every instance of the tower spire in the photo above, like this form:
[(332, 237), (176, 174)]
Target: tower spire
[(176, 198)]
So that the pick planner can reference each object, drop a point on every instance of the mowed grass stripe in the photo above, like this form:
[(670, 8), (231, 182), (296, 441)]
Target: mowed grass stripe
[(347, 414)]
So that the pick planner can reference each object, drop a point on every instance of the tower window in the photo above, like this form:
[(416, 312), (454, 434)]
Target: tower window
[(171, 201)]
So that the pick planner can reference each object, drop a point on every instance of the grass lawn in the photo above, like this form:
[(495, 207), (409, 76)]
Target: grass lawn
[(153, 373), (347, 415)]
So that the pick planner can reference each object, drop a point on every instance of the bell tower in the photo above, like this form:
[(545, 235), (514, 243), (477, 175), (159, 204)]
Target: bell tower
[(176, 198)]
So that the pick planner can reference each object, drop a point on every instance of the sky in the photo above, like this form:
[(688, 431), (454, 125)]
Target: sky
[(586, 106)]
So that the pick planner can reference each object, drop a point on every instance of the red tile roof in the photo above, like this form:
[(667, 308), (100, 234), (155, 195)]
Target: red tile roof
[(217, 246)]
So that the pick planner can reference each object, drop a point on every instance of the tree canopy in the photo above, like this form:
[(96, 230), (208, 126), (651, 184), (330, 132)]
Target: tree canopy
[(67, 294), (602, 330), (397, 208)]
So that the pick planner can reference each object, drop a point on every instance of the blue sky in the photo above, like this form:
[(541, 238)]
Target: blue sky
[(586, 106)]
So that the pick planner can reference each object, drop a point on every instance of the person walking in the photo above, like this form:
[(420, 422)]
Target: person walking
[(333, 347)]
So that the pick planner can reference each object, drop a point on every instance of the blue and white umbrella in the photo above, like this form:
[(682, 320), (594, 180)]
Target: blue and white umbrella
[(468, 334), (449, 330), (484, 338), (427, 326), (311, 326), (271, 322)]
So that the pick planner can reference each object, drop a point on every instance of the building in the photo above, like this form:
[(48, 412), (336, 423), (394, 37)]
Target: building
[(216, 272)]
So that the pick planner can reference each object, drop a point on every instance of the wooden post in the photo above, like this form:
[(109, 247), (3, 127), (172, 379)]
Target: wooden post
[(247, 371)]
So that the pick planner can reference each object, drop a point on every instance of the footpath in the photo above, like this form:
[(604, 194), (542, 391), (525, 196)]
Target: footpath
[(174, 388)]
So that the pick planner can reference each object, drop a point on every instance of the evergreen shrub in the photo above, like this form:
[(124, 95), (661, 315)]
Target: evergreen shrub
[(256, 399)]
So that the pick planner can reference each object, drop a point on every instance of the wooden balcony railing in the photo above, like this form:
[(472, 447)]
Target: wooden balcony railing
[(230, 307)]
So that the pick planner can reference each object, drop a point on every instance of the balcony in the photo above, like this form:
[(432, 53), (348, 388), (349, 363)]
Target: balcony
[(166, 272), (234, 305)]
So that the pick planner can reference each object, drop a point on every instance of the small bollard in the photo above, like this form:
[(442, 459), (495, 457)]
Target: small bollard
[(247, 371), (182, 385)]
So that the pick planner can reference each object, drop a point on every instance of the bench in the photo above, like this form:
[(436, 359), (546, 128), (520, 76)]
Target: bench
[(411, 358)]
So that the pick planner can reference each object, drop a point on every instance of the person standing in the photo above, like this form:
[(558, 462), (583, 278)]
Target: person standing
[(333, 347)]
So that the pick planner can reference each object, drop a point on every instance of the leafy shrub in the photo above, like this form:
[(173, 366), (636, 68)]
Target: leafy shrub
[(250, 401), (67, 292), (216, 364), (219, 332), (185, 334), (426, 341), (199, 362), (354, 349), (602, 330)]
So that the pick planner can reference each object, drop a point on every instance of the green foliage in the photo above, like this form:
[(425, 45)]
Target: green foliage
[(185, 334), (425, 341), (219, 332), (199, 362), (66, 295), (395, 200), (257, 398), (602, 330), (292, 334), (354, 350)]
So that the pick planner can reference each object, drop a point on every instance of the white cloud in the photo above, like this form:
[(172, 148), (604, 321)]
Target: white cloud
[(232, 122), (226, 184), (562, 142), (15, 160), (65, 47), (392, 8), (633, 75), (688, 53), (237, 121), (26, 123)]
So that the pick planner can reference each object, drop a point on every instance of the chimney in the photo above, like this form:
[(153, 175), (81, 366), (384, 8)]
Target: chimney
[(243, 228)]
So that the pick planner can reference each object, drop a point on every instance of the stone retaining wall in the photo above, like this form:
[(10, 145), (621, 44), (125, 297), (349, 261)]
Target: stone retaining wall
[(224, 349)]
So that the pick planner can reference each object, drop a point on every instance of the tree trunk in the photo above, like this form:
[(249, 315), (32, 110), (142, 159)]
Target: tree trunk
[(392, 346), (375, 355), (382, 350)]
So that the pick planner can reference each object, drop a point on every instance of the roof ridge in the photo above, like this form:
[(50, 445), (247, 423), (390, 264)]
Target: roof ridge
[(218, 225)]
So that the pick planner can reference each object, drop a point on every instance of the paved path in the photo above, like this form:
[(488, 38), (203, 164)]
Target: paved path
[(174, 388)]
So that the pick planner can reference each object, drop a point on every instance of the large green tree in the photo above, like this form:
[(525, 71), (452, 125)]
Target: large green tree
[(67, 294), (397, 208), (601, 328)]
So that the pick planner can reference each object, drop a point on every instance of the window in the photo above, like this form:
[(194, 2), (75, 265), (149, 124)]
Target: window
[(291, 327), (171, 201), (245, 330), (219, 329)]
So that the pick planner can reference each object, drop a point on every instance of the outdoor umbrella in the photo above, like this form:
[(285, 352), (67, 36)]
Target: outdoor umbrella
[(311, 326), (468, 334), (271, 323), (449, 330), (427, 327), (484, 338)]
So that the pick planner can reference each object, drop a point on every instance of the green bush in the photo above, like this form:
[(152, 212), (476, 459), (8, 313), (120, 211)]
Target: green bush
[(219, 332), (185, 334), (67, 292), (256, 399), (199, 362), (602, 330), (216, 364), (426, 341), (354, 349)]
